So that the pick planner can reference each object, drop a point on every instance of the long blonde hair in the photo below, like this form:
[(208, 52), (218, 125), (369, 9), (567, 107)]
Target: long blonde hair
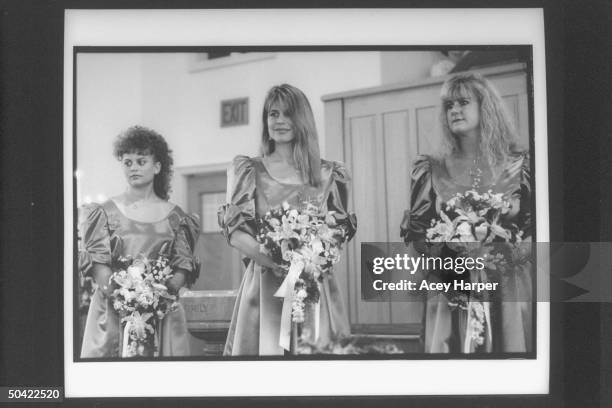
[(498, 136), (306, 143)]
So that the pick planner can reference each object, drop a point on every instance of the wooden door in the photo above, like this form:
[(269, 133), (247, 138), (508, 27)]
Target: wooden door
[(221, 269), (379, 155)]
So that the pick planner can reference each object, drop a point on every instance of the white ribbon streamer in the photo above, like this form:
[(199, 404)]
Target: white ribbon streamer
[(126, 339), (479, 276), (157, 338), (317, 315), (487, 334), (286, 290)]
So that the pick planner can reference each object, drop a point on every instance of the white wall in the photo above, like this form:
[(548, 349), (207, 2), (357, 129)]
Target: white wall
[(158, 90), (109, 94), (407, 66), (187, 105), (161, 91)]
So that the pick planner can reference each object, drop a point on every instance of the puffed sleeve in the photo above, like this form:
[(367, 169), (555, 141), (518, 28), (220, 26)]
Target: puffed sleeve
[(183, 257), (337, 199), (422, 202), (239, 212), (94, 238), (524, 216)]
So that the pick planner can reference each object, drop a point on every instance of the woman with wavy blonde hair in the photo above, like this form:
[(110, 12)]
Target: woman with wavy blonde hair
[(479, 153), (496, 133)]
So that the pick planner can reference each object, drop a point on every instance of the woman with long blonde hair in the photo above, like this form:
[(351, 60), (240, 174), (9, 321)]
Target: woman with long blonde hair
[(289, 170), (479, 152)]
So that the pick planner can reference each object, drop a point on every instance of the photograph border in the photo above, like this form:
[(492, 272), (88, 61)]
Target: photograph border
[(523, 49)]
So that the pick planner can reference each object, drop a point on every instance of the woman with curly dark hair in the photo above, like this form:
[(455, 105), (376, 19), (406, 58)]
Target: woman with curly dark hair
[(139, 222)]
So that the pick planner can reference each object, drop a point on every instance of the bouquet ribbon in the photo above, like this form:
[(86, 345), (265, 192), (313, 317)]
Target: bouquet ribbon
[(286, 291), (126, 339), (479, 276)]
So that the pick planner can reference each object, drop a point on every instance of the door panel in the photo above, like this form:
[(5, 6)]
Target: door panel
[(427, 129), (398, 160), (369, 186), (221, 269)]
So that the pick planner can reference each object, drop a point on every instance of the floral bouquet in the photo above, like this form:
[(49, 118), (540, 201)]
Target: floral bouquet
[(473, 225), (307, 242), (142, 301)]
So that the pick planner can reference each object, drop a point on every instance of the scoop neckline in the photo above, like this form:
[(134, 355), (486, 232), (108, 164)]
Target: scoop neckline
[(492, 183), (112, 200), (275, 179)]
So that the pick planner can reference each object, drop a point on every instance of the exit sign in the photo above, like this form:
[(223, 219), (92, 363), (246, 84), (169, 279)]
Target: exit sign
[(235, 112)]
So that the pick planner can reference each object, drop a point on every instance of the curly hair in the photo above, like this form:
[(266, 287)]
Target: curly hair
[(498, 137), (141, 140), (306, 143)]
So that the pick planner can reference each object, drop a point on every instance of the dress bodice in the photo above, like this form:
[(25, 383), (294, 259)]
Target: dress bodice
[(432, 186), (106, 235), (254, 191), (272, 193), (507, 182)]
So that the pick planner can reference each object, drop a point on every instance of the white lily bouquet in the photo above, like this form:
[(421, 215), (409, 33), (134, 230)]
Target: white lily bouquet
[(474, 225), (307, 242), (142, 301), (474, 217)]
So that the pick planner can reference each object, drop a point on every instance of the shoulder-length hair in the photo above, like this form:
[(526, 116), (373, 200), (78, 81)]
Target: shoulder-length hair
[(141, 140), (306, 142), (497, 132)]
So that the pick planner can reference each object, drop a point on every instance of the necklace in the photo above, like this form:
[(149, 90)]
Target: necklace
[(137, 204), (476, 172)]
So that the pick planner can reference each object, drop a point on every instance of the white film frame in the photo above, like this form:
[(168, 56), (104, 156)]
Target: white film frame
[(308, 27)]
